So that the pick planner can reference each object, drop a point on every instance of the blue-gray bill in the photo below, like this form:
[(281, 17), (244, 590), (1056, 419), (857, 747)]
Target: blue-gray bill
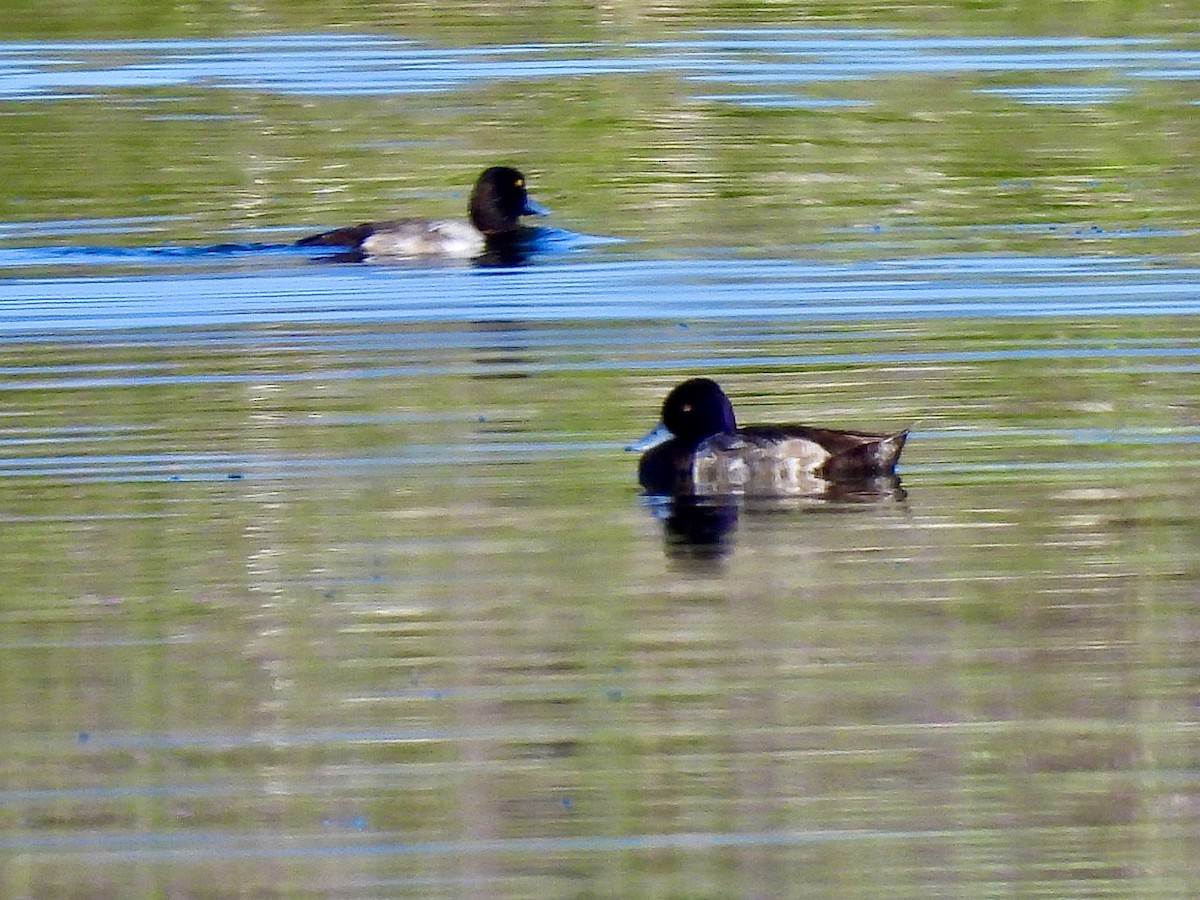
[(659, 434)]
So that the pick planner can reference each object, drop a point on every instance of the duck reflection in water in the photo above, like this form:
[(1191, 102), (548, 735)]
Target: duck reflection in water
[(701, 468)]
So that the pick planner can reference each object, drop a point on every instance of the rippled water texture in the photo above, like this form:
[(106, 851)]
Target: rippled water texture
[(327, 579)]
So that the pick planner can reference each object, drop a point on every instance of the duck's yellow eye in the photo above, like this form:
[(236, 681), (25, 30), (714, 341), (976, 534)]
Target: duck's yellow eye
[(520, 182)]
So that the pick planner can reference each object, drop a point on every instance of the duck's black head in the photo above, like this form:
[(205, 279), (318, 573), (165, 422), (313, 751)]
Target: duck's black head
[(499, 199), (698, 409), (693, 412)]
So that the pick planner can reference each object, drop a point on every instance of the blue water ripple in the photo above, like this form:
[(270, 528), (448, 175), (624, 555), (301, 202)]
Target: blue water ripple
[(362, 65), (672, 290)]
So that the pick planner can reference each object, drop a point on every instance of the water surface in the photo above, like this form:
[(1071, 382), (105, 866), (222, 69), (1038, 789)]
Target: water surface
[(329, 579)]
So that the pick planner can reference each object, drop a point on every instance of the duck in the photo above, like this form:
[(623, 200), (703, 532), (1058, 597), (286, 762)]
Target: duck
[(498, 201), (698, 449)]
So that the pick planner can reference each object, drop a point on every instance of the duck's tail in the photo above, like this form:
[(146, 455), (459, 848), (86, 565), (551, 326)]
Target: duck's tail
[(887, 451), (865, 455)]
